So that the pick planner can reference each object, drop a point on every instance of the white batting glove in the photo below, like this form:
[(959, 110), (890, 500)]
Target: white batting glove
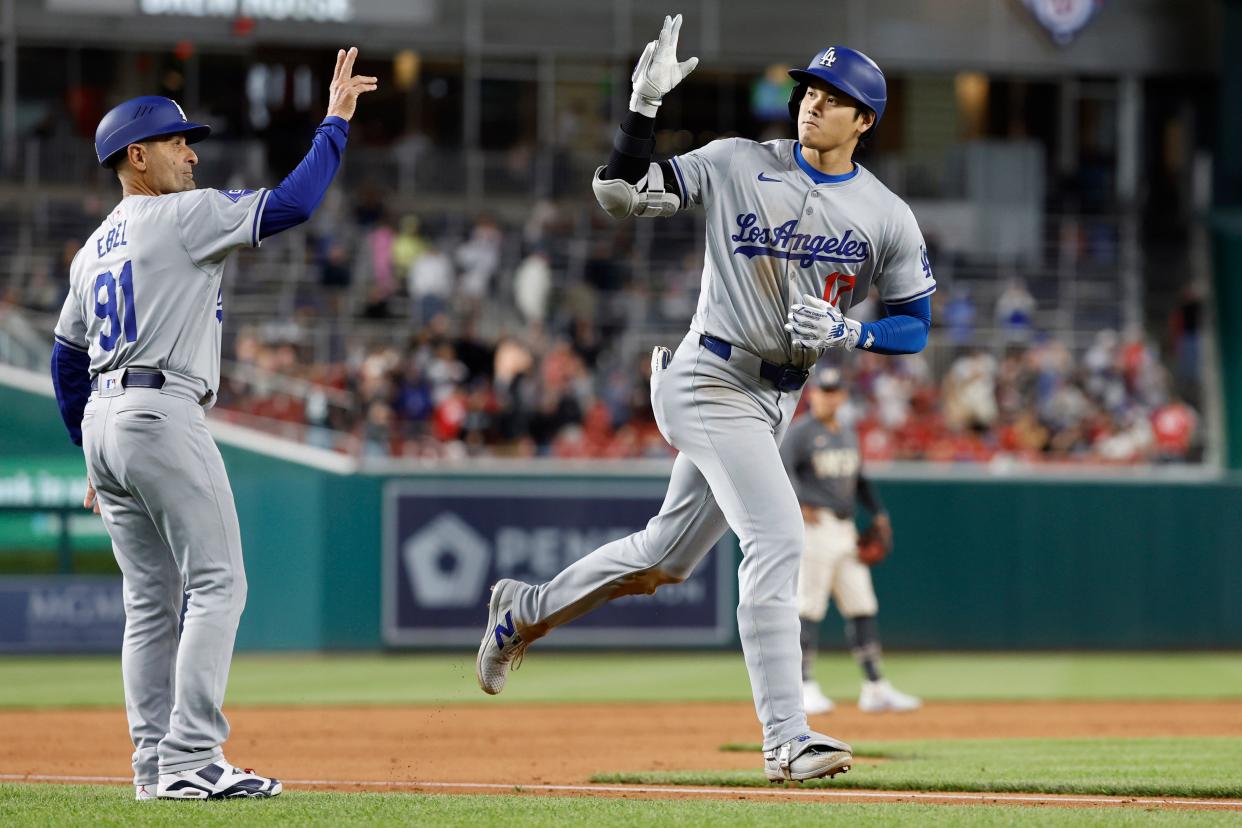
[(817, 324), (658, 71)]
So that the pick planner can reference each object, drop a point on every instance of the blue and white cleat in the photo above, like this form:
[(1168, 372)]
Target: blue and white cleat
[(218, 780), (809, 756), (502, 645)]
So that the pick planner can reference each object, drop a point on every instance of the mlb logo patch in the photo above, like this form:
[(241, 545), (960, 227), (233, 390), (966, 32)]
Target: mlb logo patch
[(110, 384), (234, 195)]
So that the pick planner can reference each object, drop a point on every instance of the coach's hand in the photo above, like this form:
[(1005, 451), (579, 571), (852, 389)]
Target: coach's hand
[(658, 71), (91, 501), (817, 324), (346, 86)]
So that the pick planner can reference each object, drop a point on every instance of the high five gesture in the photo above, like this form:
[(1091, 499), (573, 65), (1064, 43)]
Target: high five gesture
[(346, 86)]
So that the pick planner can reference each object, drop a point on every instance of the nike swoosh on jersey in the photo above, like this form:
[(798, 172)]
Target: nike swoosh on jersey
[(761, 178)]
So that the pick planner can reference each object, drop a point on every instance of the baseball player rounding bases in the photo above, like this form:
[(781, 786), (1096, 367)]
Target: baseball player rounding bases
[(796, 233), (135, 363)]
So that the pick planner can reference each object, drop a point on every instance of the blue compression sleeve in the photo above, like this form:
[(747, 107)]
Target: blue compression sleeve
[(293, 201), (903, 331), (71, 378)]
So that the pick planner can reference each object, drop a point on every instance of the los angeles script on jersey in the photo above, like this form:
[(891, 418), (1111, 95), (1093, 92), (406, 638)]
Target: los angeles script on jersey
[(782, 242)]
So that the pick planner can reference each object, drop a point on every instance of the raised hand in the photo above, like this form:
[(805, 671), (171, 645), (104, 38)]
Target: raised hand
[(346, 86), (658, 71)]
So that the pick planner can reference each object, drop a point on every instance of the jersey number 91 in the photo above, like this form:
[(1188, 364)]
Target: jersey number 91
[(108, 307)]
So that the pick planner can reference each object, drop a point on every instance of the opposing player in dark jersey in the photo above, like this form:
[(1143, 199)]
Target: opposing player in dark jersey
[(824, 463)]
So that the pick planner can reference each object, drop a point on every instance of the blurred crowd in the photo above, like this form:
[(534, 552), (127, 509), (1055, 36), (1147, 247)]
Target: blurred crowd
[(524, 341), (504, 359), (493, 341), (447, 394), (1031, 403), (453, 394)]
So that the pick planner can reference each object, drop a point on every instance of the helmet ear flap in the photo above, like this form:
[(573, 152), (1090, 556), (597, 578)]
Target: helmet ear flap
[(795, 101)]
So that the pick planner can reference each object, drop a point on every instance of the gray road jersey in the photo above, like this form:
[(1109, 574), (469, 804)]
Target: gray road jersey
[(145, 291), (823, 464), (774, 234)]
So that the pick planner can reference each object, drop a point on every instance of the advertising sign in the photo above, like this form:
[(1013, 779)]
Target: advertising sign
[(446, 543), (61, 614)]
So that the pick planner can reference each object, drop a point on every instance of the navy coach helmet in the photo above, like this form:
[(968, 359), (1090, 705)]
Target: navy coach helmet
[(139, 119), (849, 70)]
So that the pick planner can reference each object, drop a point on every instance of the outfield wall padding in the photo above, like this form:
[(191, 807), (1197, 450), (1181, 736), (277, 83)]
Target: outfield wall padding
[(978, 563)]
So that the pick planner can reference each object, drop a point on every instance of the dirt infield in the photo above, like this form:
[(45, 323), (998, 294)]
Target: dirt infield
[(496, 747)]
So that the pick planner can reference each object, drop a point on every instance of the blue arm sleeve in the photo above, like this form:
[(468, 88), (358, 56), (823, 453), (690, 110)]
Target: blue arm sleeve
[(71, 377), (293, 201), (903, 331)]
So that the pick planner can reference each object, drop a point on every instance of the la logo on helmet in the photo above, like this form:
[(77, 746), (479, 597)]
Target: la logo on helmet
[(179, 110), (830, 56)]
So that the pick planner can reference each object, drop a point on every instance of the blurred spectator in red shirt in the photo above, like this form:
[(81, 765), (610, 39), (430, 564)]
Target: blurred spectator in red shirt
[(1173, 425)]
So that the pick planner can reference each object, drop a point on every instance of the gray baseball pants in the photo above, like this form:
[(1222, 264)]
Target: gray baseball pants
[(727, 425), (168, 507)]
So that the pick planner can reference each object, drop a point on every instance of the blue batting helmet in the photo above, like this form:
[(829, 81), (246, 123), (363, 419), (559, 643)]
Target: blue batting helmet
[(851, 71), (139, 119)]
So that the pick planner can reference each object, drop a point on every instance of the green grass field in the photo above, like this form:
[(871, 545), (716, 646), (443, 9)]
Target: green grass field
[(1137, 767), (1194, 768), (276, 679), (82, 805)]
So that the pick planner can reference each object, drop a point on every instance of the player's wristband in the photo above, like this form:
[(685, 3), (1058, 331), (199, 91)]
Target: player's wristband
[(644, 106)]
